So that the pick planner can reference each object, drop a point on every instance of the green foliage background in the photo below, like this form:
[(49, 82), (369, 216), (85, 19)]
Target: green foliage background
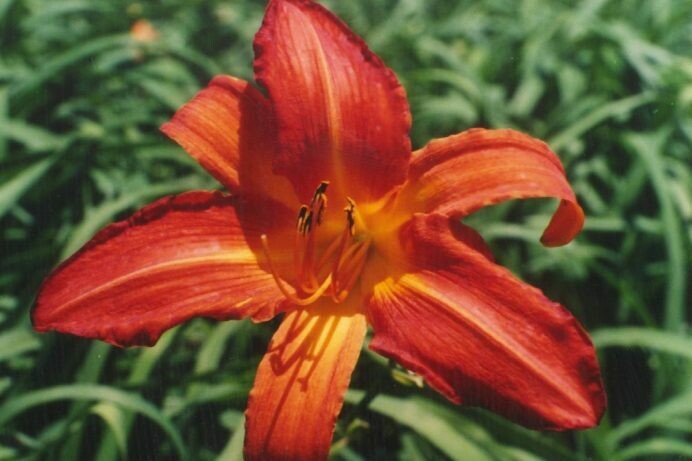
[(607, 83)]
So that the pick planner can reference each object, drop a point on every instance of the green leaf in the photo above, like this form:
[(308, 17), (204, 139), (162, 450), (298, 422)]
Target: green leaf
[(209, 356), (139, 372), (35, 138), (233, 451), (88, 392), (426, 420), (658, 446), (54, 66), (4, 114), (17, 342), (679, 406), (115, 419), (619, 108), (449, 432), (646, 338), (15, 188), (649, 147)]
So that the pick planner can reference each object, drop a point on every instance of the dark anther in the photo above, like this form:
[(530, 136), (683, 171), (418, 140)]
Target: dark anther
[(322, 188), (350, 209), (307, 224), (319, 192), (301, 217)]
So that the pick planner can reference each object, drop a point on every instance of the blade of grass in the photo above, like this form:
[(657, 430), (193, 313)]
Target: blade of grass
[(656, 447), (89, 372), (647, 338), (649, 147), (614, 109), (679, 406), (209, 356), (15, 188), (91, 392), (456, 436), (110, 446), (16, 342), (4, 115), (233, 451), (114, 418), (35, 138), (59, 63)]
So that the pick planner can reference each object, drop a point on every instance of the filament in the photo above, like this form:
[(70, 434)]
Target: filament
[(282, 287)]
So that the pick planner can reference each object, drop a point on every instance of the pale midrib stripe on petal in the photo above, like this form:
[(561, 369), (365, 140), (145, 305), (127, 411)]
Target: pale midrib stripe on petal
[(332, 106), (237, 256), (511, 347)]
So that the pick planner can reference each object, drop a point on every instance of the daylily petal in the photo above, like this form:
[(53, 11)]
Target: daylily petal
[(459, 174), (481, 337), (229, 128), (342, 114), (180, 257), (301, 381)]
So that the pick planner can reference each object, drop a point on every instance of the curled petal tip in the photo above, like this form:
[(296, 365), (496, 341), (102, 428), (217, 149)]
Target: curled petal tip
[(565, 225), (463, 173)]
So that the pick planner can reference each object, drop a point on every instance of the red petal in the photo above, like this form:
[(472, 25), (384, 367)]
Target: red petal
[(343, 116), (177, 258), (458, 175), (300, 384), (229, 128), (481, 337)]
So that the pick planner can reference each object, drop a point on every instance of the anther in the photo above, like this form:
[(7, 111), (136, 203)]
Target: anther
[(346, 255), (301, 217), (350, 209), (320, 190), (307, 224), (319, 200)]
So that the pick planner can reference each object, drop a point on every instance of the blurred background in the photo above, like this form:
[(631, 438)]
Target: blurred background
[(85, 84)]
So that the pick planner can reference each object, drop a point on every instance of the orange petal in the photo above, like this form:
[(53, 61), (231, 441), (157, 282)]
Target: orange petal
[(480, 336), (342, 114), (177, 258), (459, 174), (229, 128), (301, 381)]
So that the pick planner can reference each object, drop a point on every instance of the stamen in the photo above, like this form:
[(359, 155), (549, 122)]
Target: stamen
[(307, 215), (350, 219), (347, 270), (322, 205), (354, 257), (320, 190), (309, 281), (347, 256), (284, 290), (341, 254), (331, 249), (301, 218), (307, 223), (319, 200)]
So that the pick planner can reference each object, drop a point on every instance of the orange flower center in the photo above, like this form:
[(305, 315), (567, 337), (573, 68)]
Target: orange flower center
[(335, 271)]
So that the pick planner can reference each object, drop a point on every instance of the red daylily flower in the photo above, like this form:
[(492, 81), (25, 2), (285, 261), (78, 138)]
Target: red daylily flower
[(335, 124)]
